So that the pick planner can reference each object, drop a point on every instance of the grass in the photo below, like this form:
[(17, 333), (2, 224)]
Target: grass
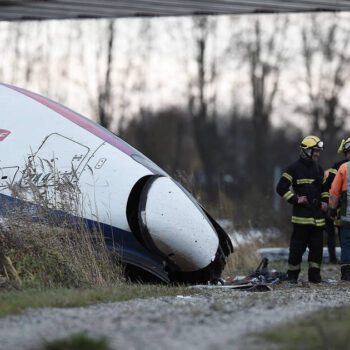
[(15, 302), (328, 329), (79, 341), (46, 245), (243, 260)]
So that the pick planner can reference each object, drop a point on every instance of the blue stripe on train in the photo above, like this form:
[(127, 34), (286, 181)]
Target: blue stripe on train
[(122, 241)]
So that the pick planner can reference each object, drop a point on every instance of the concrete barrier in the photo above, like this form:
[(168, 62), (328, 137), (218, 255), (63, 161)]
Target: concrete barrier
[(281, 254)]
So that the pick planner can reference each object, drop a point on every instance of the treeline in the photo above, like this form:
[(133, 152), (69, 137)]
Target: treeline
[(231, 176), (221, 103), (222, 178), (233, 160)]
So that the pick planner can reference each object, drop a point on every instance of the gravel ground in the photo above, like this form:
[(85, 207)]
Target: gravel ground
[(217, 318)]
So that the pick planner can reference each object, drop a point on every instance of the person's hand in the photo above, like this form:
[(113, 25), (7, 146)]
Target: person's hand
[(332, 213), (302, 199), (324, 206)]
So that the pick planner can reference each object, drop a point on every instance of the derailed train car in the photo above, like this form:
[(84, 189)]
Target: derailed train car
[(158, 229)]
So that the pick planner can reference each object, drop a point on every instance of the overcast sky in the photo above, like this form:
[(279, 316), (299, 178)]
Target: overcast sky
[(154, 61)]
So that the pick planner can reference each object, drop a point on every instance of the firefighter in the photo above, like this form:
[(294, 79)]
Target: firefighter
[(330, 227), (330, 224), (338, 199), (310, 202)]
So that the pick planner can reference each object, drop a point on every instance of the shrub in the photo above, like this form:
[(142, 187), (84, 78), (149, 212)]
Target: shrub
[(79, 341)]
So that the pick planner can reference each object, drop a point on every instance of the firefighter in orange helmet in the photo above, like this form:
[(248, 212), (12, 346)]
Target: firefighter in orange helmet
[(310, 201)]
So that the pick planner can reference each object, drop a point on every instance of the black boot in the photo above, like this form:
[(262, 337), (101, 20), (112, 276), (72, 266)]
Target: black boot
[(292, 276), (314, 275), (345, 273)]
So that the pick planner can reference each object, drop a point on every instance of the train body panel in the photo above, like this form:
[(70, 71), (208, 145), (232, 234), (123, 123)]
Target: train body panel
[(155, 224)]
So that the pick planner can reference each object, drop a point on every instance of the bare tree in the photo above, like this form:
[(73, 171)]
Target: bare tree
[(264, 53), (326, 57), (104, 94), (202, 103)]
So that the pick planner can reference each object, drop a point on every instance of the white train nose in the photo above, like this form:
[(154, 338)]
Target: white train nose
[(177, 225)]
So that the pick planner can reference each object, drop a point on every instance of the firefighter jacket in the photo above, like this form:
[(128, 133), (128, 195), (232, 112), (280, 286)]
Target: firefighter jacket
[(330, 178), (339, 195), (306, 179), (333, 171)]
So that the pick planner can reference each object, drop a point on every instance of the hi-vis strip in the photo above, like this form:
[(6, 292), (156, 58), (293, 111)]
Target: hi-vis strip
[(288, 195), (314, 265), (288, 177), (293, 267), (308, 221), (305, 181), (333, 171), (325, 195)]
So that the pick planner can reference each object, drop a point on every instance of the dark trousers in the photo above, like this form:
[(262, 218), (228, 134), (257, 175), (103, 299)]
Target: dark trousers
[(345, 245), (306, 236), (330, 229)]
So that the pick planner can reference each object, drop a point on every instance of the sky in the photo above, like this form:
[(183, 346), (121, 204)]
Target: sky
[(154, 62)]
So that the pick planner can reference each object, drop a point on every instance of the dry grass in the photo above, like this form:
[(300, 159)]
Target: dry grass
[(45, 244), (243, 260), (46, 256)]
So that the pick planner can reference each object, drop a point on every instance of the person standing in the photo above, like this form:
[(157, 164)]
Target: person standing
[(332, 224), (338, 198), (310, 202)]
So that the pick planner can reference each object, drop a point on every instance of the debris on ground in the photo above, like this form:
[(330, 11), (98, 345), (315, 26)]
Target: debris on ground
[(262, 280)]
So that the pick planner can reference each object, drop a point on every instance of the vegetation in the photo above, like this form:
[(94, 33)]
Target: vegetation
[(40, 256), (16, 301), (77, 341), (46, 244), (243, 260), (328, 329)]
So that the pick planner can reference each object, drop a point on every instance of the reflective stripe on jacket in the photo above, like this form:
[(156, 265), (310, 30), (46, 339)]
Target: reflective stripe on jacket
[(306, 179)]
